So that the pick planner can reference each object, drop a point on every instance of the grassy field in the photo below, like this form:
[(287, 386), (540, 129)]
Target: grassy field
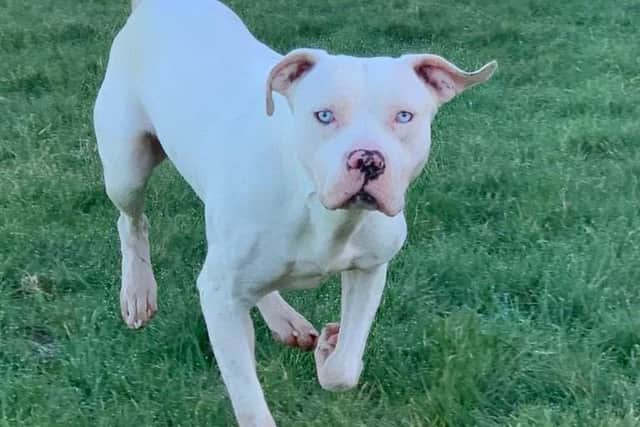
[(515, 302)]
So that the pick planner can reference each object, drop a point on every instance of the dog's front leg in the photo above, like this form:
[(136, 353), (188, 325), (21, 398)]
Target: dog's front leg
[(341, 346), (286, 324), (232, 338)]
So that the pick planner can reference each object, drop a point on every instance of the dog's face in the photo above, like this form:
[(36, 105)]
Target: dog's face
[(362, 126)]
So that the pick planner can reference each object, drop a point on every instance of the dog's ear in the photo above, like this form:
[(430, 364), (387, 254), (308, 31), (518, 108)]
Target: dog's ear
[(286, 73), (445, 79)]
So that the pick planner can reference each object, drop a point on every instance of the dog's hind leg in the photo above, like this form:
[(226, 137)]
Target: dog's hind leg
[(129, 152)]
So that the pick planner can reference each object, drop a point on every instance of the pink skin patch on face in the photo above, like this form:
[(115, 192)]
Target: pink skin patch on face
[(349, 184), (369, 162), (363, 184)]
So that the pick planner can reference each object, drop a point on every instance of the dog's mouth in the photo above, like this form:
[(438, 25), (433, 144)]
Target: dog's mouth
[(361, 200)]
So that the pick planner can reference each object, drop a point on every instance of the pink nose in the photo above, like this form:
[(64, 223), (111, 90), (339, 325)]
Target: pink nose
[(369, 162)]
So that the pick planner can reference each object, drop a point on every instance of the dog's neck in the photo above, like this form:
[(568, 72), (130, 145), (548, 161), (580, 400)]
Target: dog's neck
[(335, 225)]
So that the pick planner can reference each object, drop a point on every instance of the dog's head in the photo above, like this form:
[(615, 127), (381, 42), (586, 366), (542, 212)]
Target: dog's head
[(362, 126)]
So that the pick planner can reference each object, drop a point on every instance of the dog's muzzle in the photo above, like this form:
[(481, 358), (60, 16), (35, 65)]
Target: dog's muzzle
[(369, 162)]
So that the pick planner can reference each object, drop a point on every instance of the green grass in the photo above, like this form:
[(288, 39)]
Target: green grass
[(515, 302)]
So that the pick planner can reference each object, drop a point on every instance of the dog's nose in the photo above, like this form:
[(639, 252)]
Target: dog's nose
[(369, 162)]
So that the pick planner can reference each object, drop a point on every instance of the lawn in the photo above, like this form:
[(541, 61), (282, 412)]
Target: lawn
[(515, 301)]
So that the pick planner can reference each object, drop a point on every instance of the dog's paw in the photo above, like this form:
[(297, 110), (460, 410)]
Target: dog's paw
[(138, 296), (326, 343), (138, 305), (293, 330), (335, 371)]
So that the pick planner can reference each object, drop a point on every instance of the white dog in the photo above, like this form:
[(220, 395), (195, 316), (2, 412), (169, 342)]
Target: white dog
[(296, 186)]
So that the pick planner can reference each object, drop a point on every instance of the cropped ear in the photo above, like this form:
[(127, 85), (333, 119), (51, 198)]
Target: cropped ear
[(446, 79), (289, 71)]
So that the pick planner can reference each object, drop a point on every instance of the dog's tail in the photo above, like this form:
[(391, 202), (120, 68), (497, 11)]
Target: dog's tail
[(134, 3)]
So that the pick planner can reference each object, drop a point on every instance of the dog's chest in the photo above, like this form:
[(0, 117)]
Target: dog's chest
[(308, 265), (300, 254)]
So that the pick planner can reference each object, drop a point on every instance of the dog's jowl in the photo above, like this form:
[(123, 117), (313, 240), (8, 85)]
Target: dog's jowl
[(302, 162)]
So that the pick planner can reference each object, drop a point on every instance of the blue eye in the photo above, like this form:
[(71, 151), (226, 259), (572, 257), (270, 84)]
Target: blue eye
[(404, 117), (324, 116)]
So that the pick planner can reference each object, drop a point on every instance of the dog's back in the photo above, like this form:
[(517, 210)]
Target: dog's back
[(202, 56)]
